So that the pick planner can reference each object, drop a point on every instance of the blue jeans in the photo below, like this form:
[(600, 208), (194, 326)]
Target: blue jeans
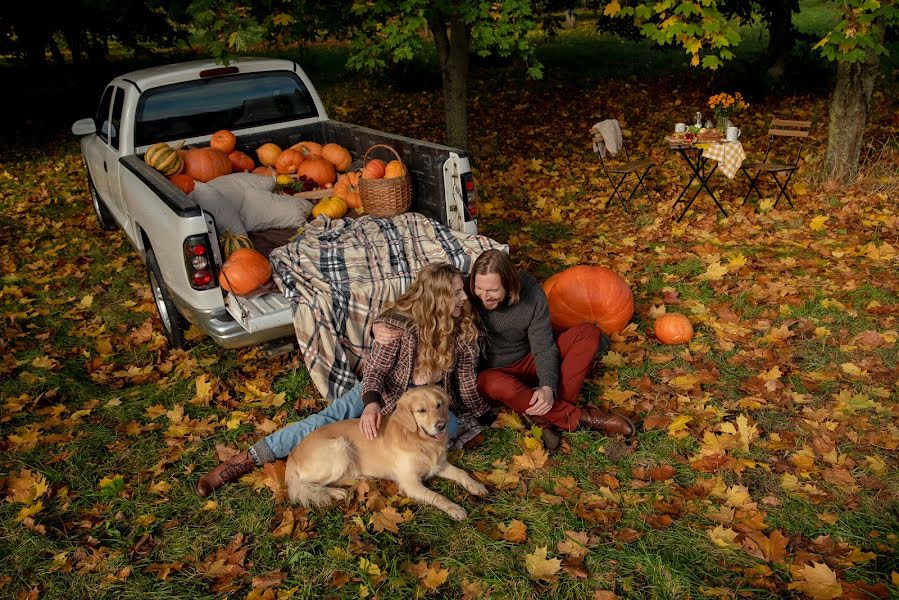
[(349, 406)]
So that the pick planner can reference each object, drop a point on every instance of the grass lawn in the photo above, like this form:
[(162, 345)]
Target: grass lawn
[(765, 465)]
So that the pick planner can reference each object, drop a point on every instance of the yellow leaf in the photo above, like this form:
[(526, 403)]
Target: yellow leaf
[(108, 481), (160, 487), (852, 369), (515, 532), (817, 581), (715, 272), (771, 374), (434, 578), (678, 427), (369, 567), (876, 464), (539, 567), (26, 488), (28, 511), (282, 19), (724, 537), (509, 420), (86, 302), (155, 411), (766, 205), (612, 8), (387, 518), (894, 577), (735, 262), (204, 387), (210, 505), (574, 544), (818, 222), (613, 359)]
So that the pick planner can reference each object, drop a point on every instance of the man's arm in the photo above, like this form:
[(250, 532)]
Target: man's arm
[(543, 344)]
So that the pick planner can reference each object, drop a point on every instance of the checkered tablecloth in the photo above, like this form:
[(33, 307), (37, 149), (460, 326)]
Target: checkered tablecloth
[(730, 156)]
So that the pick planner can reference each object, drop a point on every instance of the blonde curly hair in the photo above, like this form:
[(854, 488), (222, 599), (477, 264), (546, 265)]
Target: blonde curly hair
[(429, 302)]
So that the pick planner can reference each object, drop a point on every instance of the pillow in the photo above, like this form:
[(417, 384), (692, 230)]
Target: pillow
[(263, 210), (225, 209)]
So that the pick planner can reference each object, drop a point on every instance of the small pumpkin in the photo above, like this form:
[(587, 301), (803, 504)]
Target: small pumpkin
[(673, 328), (205, 164), (244, 271), (307, 148), (223, 140), (339, 156), (374, 169), (183, 182), (588, 294), (318, 170), (347, 187), (268, 154), (333, 208), (232, 242), (240, 162), (289, 161), (266, 171), (394, 168), (165, 159)]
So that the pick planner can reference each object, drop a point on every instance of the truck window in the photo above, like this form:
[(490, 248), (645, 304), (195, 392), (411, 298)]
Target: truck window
[(116, 117), (102, 118), (203, 106)]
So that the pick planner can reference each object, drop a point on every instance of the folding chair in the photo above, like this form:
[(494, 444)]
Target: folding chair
[(779, 128), (607, 138)]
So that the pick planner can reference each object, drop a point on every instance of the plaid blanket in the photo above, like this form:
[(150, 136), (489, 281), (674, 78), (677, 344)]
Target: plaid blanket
[(340, 273)]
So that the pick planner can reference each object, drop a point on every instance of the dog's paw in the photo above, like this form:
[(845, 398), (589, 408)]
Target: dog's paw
[(457, 512), (476, 488)]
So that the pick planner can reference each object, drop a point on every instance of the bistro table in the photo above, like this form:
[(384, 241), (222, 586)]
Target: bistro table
[(697, 154)]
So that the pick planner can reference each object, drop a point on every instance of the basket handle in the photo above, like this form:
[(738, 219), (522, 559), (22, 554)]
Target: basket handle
[(365, 158)]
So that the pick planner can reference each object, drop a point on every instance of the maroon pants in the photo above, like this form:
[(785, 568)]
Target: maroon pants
[(514, 385)]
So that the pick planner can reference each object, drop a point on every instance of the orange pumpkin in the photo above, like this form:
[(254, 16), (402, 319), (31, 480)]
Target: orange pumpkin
[(347, 187), (673, 328), (289, 161), (266, 171), (240, 162), (183, 182), (268, 153), (374, 169), (318, 170), (244, 271), (393, 169), (308, 148), (339, 156), (223, 140), (586, 294), (205, 164)]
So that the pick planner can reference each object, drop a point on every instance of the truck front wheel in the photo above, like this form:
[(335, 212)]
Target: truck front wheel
[(104, 217), (172, 322)]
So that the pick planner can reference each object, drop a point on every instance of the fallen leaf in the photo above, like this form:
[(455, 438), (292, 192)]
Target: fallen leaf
[(541, 568), (515, 531)]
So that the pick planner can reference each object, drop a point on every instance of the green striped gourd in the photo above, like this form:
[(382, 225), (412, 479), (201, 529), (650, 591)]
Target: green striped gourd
[(165, 159), (231, 242)]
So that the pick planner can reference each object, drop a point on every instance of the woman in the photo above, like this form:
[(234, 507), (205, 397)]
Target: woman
[(439, 343)]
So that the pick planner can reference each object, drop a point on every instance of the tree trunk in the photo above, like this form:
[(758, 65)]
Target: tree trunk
[(780, 38), (848, 115), (453, 46)]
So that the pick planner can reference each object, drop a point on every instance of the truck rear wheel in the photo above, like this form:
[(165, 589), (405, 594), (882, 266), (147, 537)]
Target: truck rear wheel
[(104, 217), (173, 323)]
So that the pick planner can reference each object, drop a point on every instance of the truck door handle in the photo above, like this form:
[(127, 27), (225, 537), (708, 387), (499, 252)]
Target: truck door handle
[(104, 167)]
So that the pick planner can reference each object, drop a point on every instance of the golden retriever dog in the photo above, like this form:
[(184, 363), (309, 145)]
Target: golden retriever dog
[(410, 447)]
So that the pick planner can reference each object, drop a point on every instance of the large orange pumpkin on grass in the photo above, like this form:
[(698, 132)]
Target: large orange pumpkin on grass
[(205, 164), (244, 271), (347, 187), (673, 328), (318, 170), (223, 140), (587, 294)]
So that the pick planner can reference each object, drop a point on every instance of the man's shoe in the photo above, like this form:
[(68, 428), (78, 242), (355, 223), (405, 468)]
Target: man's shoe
[(605, 344), (231, 469), (551, 437), (606, 422)]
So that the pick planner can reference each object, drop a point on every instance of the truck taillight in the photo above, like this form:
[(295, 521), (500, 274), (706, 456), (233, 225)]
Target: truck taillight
[(200, 269), (469, 197)]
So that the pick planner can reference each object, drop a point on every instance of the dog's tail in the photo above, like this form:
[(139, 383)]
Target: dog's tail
[(332, 462)]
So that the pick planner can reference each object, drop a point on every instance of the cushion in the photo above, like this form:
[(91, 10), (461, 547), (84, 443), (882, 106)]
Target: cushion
[(224, 209)]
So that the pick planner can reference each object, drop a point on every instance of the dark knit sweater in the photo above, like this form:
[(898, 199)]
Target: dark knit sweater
[(514, 331)]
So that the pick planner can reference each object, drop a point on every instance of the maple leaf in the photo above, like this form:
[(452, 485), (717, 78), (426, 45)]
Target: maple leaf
[(534, 456), (724, 537), (818, 223), (204, 389), (574, 544), (817, 581), (515, 531), (509, 420), (472, 590), (163, 570), (26, 487), (270, 476), (541, 568), (503, 479), (434, 577), (613, 359), (387, 518), (369, 568), (678, 427), (715, 272)]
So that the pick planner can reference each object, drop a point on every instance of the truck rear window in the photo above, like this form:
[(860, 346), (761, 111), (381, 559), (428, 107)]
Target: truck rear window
[(203, 106)]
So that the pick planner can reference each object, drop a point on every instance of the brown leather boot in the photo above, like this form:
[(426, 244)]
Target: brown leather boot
[(606, 422), (228, 471)]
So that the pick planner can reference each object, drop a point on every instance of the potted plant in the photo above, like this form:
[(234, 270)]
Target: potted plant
[(724, 105)]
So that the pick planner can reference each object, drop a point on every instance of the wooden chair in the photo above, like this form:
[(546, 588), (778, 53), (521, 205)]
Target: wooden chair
[(639, 167), (786, 130)]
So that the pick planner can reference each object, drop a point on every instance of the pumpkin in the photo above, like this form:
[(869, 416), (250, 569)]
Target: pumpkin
[(205, 164), (318, 170), (240, 162), (333, 208), (244, 271), (266, 171), (165, 159), (337, 155), (673, 328), (394, 168), (232, 242), (347, 187), (586, 294), (289, 161), (183, 182), (374, 169), (308, 148), (223, 140), (268, 154)]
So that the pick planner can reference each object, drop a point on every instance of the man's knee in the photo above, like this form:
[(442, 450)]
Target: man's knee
[(489, 385)]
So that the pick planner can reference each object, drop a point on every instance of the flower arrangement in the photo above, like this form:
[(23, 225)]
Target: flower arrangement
[(725, 105)]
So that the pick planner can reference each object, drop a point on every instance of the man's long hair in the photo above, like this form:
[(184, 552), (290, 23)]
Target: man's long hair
[(430, 303), (497, 261)]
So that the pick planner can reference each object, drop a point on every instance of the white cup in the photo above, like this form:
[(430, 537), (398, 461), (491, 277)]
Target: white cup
[(680, 127), (733, 133)]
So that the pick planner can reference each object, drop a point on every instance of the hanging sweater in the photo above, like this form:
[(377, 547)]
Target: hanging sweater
[(515, 331)]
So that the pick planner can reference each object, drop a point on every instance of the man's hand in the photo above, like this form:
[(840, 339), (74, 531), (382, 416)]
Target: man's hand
[(541, 401), (385, 334), (370, 421)]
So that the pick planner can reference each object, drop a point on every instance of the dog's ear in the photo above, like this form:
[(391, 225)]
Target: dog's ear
[(403, 413)]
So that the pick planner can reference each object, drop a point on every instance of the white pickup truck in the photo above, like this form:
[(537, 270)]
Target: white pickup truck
[(260, 100)]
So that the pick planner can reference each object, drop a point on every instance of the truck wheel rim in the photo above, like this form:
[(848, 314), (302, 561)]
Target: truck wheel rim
[(160, 303)]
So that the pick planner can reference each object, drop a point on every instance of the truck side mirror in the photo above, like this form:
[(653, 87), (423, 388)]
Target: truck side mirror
[(84, 126)]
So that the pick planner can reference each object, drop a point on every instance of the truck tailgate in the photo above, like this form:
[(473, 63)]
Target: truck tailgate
[(258, 313)]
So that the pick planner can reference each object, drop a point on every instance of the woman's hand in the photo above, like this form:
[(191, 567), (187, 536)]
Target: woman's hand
[(385, 334), (370, 421)]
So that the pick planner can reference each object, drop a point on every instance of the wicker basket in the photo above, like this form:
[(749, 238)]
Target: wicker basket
[(385, 197)]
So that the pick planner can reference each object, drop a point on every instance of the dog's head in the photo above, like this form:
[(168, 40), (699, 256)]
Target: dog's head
[(424, 410)]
